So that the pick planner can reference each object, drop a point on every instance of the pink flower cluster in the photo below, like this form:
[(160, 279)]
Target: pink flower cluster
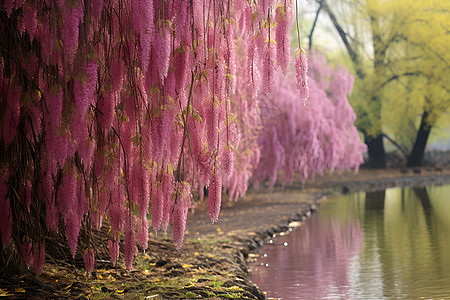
[(130, 106), (301, 70), (309, 139)]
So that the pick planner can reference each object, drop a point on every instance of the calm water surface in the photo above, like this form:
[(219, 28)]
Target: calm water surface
[(393, 244)]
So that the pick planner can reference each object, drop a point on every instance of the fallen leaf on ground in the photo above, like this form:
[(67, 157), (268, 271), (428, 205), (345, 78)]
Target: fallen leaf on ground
[(4, 293)]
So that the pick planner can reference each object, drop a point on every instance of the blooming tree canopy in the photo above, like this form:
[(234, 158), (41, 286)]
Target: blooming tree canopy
[(309, 139), (120, 109), (108, 104)]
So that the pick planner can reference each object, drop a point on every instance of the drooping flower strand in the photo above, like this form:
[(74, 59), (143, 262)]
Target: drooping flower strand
[(89, 260), (301, 63), (115, 124), (285, 19), (301, 71)]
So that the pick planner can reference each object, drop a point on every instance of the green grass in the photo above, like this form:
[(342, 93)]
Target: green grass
[(188, 295), (210, 294), (232, 296), (217, 284)]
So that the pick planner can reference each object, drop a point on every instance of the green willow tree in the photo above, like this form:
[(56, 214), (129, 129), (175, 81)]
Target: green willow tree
[(425, 55), (398, 54)]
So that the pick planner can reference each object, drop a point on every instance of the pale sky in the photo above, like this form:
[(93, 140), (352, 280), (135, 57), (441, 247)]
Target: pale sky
[(324, 34)]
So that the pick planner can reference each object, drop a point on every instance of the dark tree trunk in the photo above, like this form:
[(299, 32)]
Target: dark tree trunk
[(376, 151), (415, 159)]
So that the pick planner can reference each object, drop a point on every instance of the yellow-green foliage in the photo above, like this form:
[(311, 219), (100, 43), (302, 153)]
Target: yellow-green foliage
[(425, 53), (402, 63)]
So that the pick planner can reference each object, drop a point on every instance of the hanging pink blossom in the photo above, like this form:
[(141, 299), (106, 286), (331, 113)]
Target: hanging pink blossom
[(162, 50), (168, 184), (86, 151), (103, 202), (142, 232), (181, 64), (301, 69), (130, 242), (212, 133), (144, 25), (79, 128), (68, 205), (157, 205), (215, 196), (72, 231), (264, 7), (230, 59), (72, 19), (131, 110), (46, 37), (97, 6), (84, 86), (253, 75), (60, 4), (140, 188), (67, 201), (181, 10), (268, 67), (89, 260), (227, 162), (180, 210), (175, 144), (105, 113), (284, 17), (8, 5), (116, 210), (219, 81), (113, 246), (57, 146), (29, 19)]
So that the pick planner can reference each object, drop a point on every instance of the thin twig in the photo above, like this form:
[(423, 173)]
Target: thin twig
[(298, 29)]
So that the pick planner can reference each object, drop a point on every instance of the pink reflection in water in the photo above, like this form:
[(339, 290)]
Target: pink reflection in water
[(315, 264)]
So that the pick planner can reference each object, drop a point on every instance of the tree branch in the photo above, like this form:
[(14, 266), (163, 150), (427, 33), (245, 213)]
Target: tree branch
[(397, 76), (314, 25), (353, 55), (402, 150)]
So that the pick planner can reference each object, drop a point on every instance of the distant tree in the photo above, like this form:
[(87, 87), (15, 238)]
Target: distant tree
[(312, 138), (390, 46)]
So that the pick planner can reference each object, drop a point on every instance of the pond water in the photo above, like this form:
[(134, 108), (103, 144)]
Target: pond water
[(392, 244)]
